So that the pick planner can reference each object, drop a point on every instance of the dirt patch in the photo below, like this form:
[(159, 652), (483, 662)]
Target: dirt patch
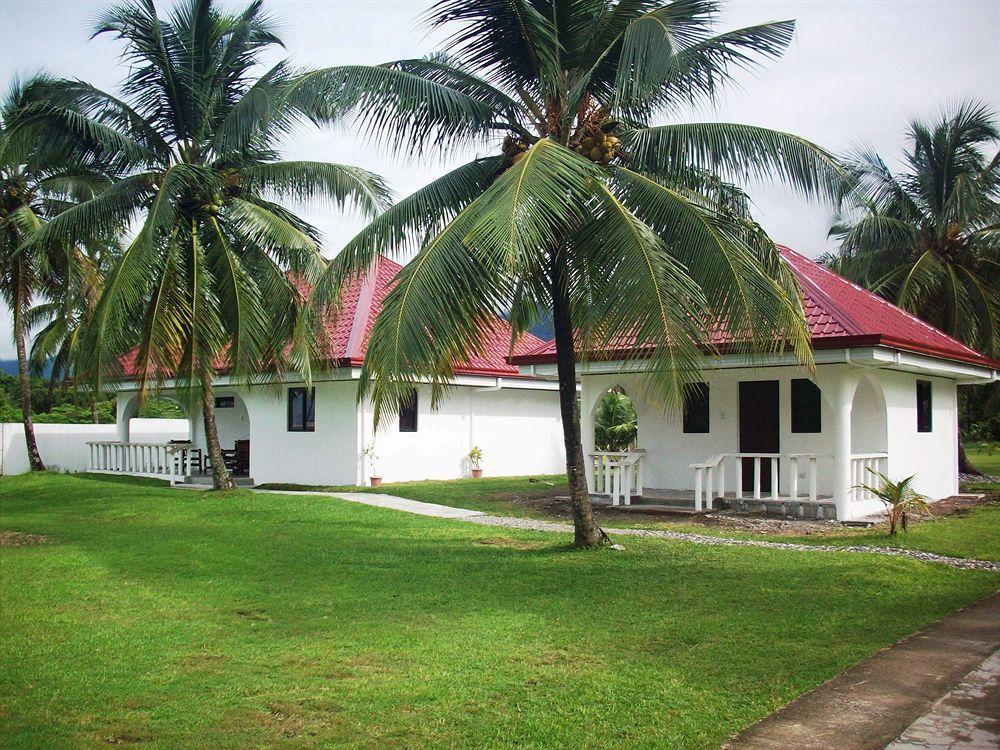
[(19, 539), (959, 505), (256, 615)]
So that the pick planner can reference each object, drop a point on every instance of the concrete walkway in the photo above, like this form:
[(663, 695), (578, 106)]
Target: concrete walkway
[(390, 501), (529, 524), (873, 703), (967, 718)]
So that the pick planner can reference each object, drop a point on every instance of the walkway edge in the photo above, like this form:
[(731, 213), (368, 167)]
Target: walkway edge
[(873, 702)]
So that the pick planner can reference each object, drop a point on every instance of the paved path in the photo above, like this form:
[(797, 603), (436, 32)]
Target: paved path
[(967, 718), (392, 502), (872, 703), (474, 516)]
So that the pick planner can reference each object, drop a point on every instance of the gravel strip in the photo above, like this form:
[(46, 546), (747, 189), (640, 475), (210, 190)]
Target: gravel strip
[(719, 541)]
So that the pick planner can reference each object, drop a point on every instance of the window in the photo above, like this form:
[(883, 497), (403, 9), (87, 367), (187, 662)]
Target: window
[(225, 402), (408, 412), (806, 410), (301, 409), (696, 407), (924, 422)]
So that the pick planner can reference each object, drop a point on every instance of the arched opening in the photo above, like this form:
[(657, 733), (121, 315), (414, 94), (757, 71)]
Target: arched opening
[(868, 418), (157, 419), (616, 424), (232, 421)]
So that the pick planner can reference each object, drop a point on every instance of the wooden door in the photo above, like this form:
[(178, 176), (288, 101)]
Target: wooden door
[(759, 429)]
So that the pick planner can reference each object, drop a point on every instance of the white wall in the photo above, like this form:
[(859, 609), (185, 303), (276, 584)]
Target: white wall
[(932, 456), (670, 451), (519, 431), (875, 427), (147, 430), (62, 446), (327, 456)]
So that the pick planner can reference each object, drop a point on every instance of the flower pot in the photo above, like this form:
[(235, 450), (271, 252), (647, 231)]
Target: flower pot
[(477, 473), (375, 481)]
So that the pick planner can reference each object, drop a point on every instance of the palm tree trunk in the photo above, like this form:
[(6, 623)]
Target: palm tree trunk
[(94, 417), (220, 475), (586, 531), (964, 465), (34, 457)]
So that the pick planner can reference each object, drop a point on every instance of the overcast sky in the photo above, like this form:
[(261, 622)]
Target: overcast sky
[(857, 71)]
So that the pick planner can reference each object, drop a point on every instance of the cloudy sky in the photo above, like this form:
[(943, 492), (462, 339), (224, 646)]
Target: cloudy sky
[(857, 71)]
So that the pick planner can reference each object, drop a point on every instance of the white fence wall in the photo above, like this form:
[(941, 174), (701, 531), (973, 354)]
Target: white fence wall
[(64, 446), (145, 430)]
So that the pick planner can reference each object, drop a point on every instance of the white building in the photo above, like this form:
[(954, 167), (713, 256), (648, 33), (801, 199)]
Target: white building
[(883, 396), (319, 436)]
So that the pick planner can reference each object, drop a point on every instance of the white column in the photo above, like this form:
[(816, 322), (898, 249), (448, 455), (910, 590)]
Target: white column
[(587, 430), (841, 398)]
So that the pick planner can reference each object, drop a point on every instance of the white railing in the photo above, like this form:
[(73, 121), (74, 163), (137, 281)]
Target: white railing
[(170, 461), (710, 476), (860, 474), (617, 475)]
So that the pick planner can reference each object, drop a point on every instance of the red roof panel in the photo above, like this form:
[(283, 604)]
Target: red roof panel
[(839, 314)]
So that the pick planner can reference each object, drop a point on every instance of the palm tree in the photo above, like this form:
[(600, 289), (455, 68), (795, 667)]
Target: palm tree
[(72, 294), (209, 277), (615, 423), (623, 229), (37, 180), (928, 238), (899, 498)]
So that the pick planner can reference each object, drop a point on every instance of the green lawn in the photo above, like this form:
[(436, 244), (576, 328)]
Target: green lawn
[(489, 494), (164, 618), (974, 535), (985, 457)]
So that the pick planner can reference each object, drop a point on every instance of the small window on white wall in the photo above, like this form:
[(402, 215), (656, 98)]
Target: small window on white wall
[(924, 406), (408, 412)]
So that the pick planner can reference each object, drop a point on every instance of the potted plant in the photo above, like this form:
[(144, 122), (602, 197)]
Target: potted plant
[(476, 459), (371, 460)]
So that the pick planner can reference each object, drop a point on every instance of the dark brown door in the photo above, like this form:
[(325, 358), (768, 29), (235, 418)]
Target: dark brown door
[(759, 425)]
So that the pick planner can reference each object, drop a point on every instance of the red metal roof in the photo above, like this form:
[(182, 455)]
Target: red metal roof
[(361, 302), (348, 331), (839, 314)]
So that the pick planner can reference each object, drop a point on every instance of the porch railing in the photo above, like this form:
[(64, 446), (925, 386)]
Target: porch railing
[(617, 475), (860, 474), (710, 476), (170, 461)]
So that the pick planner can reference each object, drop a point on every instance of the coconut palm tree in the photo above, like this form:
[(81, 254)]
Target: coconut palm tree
[(928, 238), (615, 423), (72, 292), (37, 181), (583, 206), (209, 276)]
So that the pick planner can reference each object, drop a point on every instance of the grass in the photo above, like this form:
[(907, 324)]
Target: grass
[(984, 456), (163, 618), (502, 496)]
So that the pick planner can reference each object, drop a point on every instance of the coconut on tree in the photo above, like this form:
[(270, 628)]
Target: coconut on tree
[(213, 261), (595, 204)]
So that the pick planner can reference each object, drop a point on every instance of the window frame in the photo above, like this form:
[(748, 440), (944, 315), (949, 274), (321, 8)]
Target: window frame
[(225, 402), (925, 421), (806, 387), (308, 397), (411, 407), (703, 395)]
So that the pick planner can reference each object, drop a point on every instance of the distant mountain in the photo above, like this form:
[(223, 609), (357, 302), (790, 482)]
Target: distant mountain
[(9, 367)]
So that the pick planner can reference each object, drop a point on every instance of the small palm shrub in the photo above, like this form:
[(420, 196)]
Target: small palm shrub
[(899, 498)]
